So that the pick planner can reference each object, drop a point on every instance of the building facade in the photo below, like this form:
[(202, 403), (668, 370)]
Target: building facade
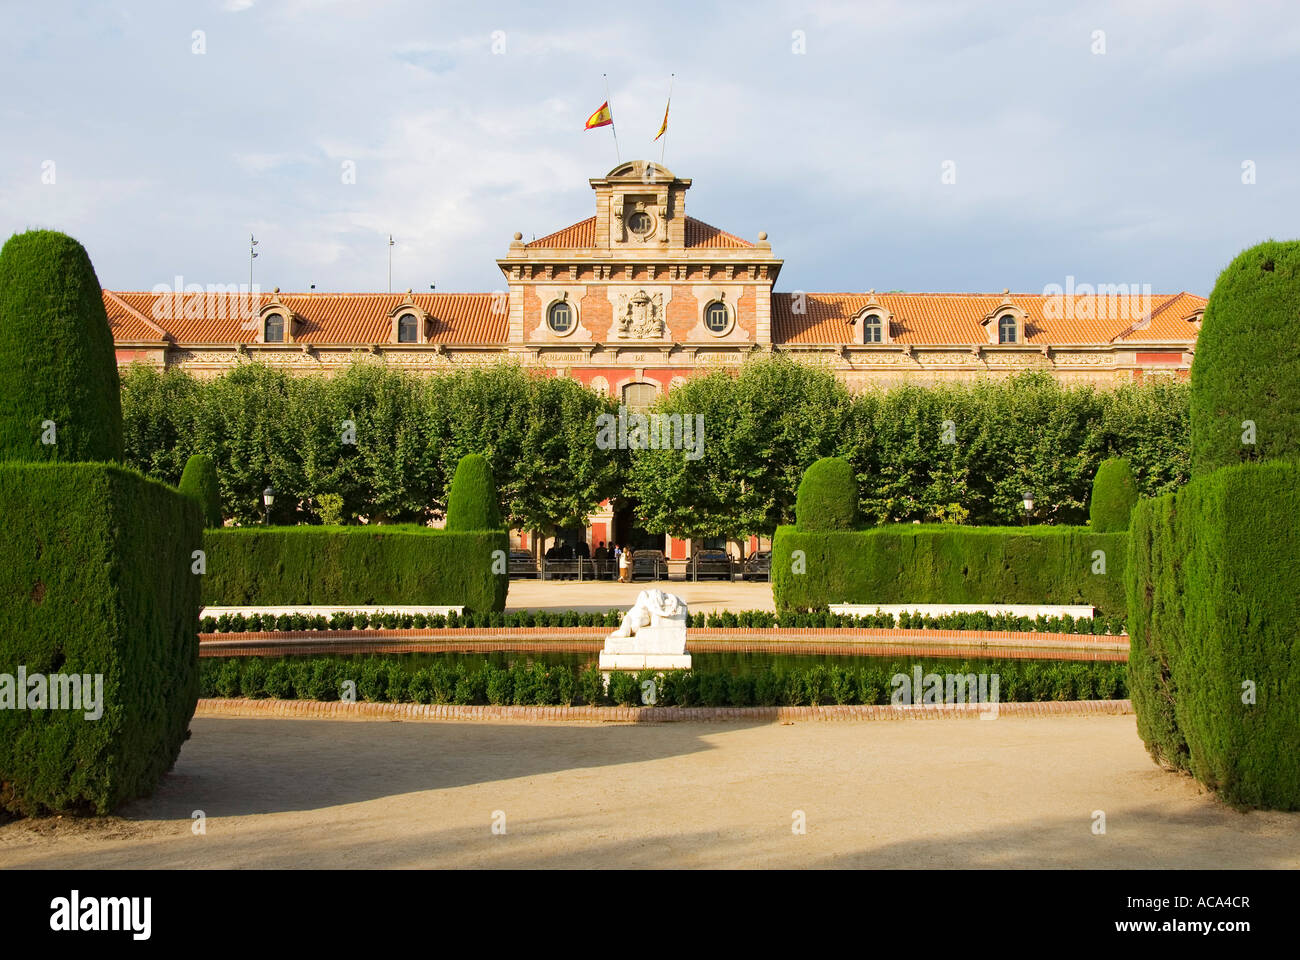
[(641, 296)]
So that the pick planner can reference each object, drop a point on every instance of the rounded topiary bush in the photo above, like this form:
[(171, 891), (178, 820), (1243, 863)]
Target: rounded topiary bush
[(827, 497), (472, 502), (199, 480), (58, 369), (1247, 364), (1114, 494)]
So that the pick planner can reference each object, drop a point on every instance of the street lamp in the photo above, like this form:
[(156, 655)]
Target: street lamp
[(1028, 499), (268, 498)]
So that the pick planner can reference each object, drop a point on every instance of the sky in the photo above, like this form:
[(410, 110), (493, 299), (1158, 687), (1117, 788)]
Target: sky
[(919, 146)]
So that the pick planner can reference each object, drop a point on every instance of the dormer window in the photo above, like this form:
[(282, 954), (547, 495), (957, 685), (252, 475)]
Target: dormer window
[(408, 328), (873, 329), (639, 223), (1007, 328), (273, 332)]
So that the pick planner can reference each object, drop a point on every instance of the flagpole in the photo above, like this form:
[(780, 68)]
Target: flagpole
[(612, 128), (664, 146)]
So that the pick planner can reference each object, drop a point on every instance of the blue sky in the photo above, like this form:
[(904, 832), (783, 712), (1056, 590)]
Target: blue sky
[(1117, 167)]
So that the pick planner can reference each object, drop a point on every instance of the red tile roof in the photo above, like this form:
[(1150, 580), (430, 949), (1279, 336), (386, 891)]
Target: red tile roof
[(325, 318), (582, 235), (955, 318), (700, 234)]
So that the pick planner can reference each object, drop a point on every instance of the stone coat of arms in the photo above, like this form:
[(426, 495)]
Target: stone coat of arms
[(640, 315)]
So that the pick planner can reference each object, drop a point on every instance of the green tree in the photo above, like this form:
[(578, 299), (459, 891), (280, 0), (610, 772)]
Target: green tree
[(199, 481), (472, 503)]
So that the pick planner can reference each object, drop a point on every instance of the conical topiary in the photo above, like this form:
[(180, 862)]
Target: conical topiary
[(1114, 494), (199, 480), (1245, 379), (58, 371), (472, 502), (827, 497)]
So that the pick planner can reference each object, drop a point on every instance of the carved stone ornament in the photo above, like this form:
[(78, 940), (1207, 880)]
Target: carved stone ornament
[(640, 316)]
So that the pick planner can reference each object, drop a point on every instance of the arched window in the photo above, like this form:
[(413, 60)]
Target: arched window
[(716, 317), (639, 396), (560, 317), (274, 331), (408, 329), (1007, 328), (873, 329)]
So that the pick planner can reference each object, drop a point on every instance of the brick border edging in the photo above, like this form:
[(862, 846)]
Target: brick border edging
[(337, 710)]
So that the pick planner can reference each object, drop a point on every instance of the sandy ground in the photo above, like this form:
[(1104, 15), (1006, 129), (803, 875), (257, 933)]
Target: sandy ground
[(706, 596), (941, 793)]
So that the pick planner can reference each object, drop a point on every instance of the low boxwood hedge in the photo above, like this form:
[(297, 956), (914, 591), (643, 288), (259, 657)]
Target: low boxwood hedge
[(96, 577), (367, 565), (744, 619), (533, 682), (946, 563), (1214, 662)]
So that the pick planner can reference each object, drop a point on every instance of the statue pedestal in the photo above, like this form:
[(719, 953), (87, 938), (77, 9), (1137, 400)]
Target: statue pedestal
[(661, 647)]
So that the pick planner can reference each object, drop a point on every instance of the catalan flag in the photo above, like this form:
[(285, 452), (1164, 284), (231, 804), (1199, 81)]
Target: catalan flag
[(601, 118), (663, 127)]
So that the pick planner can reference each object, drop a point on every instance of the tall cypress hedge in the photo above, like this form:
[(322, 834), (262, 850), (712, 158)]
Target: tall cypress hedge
[(828, 496), (96, 575), (200, 482), (1214, 599), (96, 579), (472, 501), (58, 368), (1243, 403), (1114, 494)]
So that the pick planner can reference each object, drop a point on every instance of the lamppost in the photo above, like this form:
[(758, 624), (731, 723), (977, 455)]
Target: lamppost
[(1028, 499), (268, 498)]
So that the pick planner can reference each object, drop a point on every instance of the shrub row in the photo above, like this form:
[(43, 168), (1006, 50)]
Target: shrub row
[(1214, 596), (745, 619), (389, 679), (398, 564), (913, 563)]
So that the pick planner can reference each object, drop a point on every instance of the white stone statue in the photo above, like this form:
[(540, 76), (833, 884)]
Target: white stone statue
[(652, 635)]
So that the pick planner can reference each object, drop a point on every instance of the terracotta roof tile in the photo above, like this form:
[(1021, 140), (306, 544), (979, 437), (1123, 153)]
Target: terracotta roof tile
[(580, 234), (955, 318), (700, 234), (325, 318)]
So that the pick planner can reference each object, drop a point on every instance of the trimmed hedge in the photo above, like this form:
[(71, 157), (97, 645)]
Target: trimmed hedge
[(1214, 599), (1114, 494), (524, 682), (945, 563), (730, 619), (1247, 361), (398, 564), (95, 578), (828, 496), (472, 500), (199, 480), (57, 361)]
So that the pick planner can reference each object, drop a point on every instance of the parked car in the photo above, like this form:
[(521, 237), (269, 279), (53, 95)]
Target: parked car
[(709, 564), (649, 565), (758, 566), (521, 565)]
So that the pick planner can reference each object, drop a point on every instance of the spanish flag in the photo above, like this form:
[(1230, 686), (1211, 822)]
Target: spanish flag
[(663, 127), (601, 118)]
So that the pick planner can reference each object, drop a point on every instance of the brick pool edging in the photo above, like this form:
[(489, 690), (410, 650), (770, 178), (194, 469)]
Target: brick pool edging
[(835, 641), (338, 710)]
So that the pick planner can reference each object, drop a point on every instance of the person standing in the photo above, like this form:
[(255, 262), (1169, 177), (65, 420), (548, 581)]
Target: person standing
[(624, 565)]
